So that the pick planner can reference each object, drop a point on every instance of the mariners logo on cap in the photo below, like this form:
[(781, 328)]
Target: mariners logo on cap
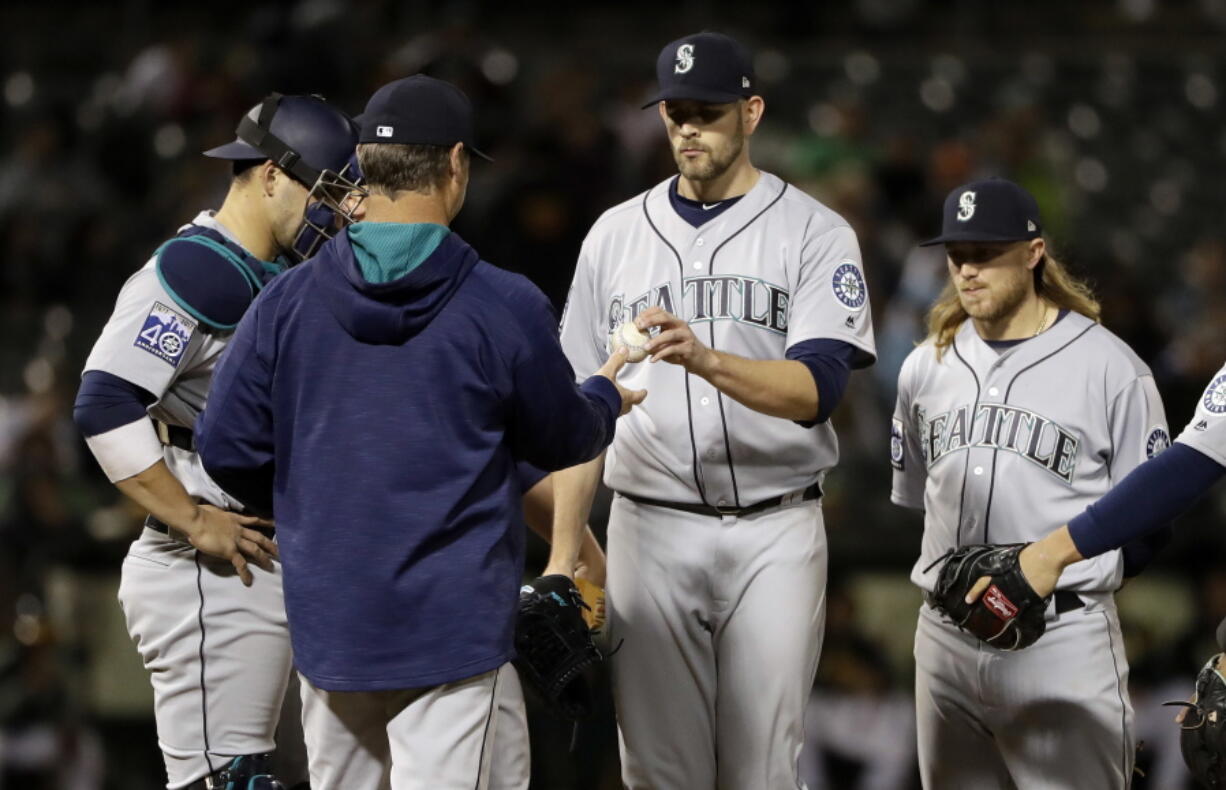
[(966, 206), (1215, 396), (1157, 441), (685, 58), (848, 284)]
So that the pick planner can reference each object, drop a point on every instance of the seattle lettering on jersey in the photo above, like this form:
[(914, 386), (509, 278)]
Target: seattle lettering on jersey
[(1001, 427), (719, 297)]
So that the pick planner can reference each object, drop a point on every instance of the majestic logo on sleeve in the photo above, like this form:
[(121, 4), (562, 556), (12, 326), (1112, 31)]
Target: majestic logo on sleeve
[(997, 426), (849, 286), (1215, 396), (966, 206), (1157, 441), (685, 58), (165, 334), (719, 297)]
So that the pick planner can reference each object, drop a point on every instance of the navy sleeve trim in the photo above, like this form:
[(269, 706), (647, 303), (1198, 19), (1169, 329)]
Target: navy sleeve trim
[(207, 280), (106, 402), (830, 362), (1148, 498)]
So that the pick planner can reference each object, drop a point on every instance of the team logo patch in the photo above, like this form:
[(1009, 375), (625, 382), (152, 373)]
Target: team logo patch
[(685, 58), (966, 206), (999, 603), (1157, 441), (1215, 396), (896, 446), (849, 287), (165, 334)]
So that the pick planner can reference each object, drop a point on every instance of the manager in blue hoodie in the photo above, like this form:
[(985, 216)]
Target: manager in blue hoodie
[(376, 399)]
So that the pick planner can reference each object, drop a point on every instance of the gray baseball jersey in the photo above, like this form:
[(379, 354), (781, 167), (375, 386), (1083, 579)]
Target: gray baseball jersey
[(773, 270), (997, 447), (1207, 430), (152, 341), (696, 598), (218, 653)]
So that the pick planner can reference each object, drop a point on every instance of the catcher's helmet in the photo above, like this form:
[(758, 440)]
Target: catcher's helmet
[(312, 141), (303, 135)]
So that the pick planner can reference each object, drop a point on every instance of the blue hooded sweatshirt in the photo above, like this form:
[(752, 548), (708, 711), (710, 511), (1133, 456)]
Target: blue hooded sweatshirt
[(382, 424)]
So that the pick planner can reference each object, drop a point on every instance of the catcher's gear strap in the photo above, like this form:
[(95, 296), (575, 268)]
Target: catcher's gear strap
[(244, 772), (258, 134)]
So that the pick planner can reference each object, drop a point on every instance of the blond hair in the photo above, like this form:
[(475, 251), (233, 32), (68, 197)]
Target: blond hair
[(1052, 282)]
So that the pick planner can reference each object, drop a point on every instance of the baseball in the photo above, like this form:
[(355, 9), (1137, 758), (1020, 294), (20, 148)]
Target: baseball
[(628, 335)]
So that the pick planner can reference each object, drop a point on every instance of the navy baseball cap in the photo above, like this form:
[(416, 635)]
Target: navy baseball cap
[(419, 110), (706, 67), (989, 210)]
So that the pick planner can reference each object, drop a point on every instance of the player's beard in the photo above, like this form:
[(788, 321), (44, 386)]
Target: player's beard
[(716, 162), (1004, 299)]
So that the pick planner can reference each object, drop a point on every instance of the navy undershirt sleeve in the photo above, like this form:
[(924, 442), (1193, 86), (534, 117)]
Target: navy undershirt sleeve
[(830, 362), (1147, 499), (105, 402)]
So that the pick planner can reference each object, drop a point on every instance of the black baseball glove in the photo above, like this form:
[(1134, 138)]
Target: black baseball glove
[(554, 645), (1203, 730), (1009, 613)]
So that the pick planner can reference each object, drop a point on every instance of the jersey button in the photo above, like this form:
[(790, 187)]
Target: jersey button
[(705, 401), (697, 264), (722, 502), (698, 243), (978, 470), (993, 392)]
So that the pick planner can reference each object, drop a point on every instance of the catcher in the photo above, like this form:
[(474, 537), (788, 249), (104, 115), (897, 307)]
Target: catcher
[(1018, 407)]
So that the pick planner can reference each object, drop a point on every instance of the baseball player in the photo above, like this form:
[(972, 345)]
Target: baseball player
[(377, 398), (1019, 409), (755, 299), (1145, 501), (218, 652)]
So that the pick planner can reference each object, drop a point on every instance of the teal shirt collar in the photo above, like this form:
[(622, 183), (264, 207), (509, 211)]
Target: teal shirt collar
[(387, 251)]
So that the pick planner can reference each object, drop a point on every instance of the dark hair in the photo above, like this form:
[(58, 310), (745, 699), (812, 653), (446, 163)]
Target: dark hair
[(391, 167), (241, 168)]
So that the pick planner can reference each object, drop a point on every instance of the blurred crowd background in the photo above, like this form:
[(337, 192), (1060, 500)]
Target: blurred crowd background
[(1109, 111)]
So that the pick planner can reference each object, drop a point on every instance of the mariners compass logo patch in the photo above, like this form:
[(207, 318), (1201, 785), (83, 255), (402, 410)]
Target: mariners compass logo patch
[(1215, 396), (849, 287), (1157, 441)]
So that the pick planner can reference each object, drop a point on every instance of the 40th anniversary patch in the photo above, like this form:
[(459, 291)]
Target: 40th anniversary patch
[(165, 333)]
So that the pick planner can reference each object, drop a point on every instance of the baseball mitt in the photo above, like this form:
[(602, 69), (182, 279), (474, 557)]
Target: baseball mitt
[(554, 645), (1202, 737), (1009, 615), (593, 600)]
